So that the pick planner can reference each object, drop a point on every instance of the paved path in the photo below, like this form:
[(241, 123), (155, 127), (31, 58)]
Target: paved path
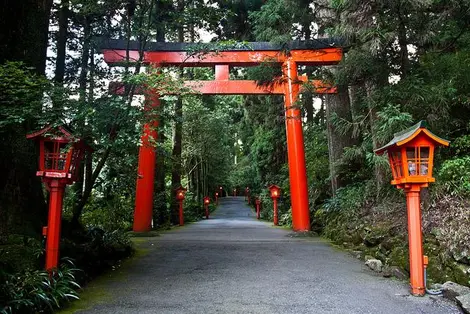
[(233, 263)]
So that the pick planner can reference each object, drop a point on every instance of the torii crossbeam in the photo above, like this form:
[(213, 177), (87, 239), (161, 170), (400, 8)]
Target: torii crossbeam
[(312, 53)]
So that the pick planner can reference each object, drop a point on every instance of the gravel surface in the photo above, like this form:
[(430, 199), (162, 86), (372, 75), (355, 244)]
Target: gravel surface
[(233, 263)]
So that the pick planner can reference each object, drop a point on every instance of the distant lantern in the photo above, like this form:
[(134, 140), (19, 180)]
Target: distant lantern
[(60, 153), (207, 201), (275, 191), (180, 193), (411, 155)]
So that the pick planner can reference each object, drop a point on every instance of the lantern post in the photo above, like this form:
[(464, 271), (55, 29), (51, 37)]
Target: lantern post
[(247, 195), (60, 154), (180, 194), (207, 201), (234, 192), (411, 156), (221, 191), (258, 203), (216, 198), (275, 192)]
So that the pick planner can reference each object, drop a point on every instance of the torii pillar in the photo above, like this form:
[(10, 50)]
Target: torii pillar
[(295, 149), (146, 172)]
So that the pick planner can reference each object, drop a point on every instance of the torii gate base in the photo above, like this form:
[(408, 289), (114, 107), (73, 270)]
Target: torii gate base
[(166, 54)]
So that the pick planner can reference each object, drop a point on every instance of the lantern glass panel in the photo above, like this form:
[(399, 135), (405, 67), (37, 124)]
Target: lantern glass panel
[(412, 160), (418, 160), (396, 165), (55, 156), (423, 160)]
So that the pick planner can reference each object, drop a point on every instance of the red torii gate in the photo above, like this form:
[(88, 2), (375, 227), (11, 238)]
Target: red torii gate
[(314, 53)]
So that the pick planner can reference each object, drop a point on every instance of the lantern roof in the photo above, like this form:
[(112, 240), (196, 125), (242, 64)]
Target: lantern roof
[(60, 133), (56, 132), (273, 186), (407, 135)]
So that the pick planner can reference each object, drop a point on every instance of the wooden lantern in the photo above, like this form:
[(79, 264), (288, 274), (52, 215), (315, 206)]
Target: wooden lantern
[(60, 153), (411, 155), (274, 191)]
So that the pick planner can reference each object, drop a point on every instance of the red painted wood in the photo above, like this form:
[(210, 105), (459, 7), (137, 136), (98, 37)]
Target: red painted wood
[(234, 87), (295, 151), (276, 219), (222, 72), (181, 213), (56, 195), (145, 176), (327, 56), (415, 240)]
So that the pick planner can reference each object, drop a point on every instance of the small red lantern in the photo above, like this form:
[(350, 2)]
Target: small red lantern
[(275, 192), (180, 193), (258, 204), (411, 155), (207, 201), (60, 154)]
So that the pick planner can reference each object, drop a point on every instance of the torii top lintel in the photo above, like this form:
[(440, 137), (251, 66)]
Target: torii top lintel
[(318, 52)]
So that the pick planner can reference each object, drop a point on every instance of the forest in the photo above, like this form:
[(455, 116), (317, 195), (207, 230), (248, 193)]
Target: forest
[(404, 61)]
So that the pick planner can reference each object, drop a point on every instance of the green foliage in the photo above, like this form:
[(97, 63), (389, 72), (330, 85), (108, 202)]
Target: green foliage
[(20, 94), (274, 22), (455, 175), (38, 291)]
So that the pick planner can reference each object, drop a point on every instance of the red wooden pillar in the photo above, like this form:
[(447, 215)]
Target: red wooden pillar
[(146, 174), (276, 219), (415, 240), (56, 196), (295, 150), (181, 213)]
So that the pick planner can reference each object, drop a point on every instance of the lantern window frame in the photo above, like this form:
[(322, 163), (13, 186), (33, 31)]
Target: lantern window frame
[(414, 140)]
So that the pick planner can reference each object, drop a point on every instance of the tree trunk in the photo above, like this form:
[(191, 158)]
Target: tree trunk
[(62, 41), (177, 139), (380, 176), (82, 81), (337, 104), (160, 212), (23, 37)]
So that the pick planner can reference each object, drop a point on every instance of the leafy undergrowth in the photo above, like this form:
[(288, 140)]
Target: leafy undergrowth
[(37, 291), (26, 288), (357, 220)]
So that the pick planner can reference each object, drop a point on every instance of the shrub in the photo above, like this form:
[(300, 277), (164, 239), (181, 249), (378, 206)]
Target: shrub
[(37, 291)]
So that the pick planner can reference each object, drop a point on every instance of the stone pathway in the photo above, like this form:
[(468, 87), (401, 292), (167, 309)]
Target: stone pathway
[(233, 263)]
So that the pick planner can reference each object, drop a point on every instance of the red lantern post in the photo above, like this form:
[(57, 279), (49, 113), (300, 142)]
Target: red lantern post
[(221, 191), (60, 154), (207, 201), (180, 193), (216, 198), (275, 192), (411, 155), (258, 203), (247, 195)]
